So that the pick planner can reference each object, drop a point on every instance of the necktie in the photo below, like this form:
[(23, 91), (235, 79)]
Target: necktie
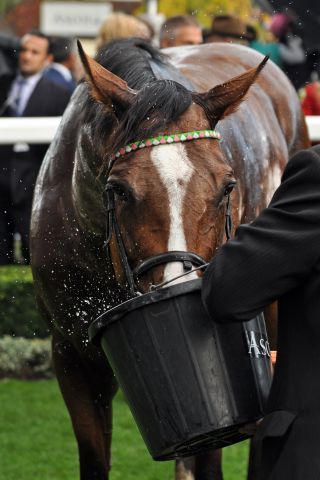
[(18, 105)]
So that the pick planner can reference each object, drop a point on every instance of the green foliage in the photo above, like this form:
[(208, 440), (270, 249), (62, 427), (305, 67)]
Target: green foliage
[(36, 438), (204, 10), (6, 5), (18, 312), (37, 442), (25, 358)]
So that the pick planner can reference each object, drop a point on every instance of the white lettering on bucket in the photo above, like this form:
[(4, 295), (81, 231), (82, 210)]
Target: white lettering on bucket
[(258, 345)]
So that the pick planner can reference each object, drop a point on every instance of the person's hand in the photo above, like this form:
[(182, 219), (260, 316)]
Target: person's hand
[(250, 428)]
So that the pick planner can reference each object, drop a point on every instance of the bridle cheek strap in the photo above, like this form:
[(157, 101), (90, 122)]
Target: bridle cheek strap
[(113, 227), (228, 218)]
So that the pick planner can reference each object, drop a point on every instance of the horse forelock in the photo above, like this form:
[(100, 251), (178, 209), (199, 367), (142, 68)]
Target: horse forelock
[(157, 105)]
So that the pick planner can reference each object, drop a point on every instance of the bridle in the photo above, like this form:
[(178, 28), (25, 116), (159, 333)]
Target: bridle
[(189, 259)]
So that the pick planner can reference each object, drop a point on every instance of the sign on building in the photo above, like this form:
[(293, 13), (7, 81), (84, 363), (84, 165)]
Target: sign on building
[(73, 18)]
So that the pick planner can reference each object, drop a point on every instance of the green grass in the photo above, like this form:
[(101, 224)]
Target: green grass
[(37, 443)]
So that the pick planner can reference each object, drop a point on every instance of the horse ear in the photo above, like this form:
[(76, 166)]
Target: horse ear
[(105, 86), (225, 98)]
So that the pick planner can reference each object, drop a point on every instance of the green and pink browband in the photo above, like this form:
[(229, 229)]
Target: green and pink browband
[(167, 139)]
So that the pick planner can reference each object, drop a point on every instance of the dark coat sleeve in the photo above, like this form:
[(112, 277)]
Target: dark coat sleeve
[(274, 253), (47, 100)]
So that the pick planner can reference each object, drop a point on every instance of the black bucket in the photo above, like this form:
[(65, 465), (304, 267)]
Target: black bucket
[(190, 383)]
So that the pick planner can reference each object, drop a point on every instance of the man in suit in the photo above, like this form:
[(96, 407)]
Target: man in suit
[(64, 62), (28, 94), (277, 257)]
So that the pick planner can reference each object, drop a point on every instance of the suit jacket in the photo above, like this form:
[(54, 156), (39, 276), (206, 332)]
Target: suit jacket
[(277, 257), (46, 100), (56, 77)]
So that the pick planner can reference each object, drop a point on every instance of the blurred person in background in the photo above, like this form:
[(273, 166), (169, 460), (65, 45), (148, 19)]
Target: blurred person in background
[(266, 48), (150, 22), (310, 98), (121, 25), (310, 94), (292, 51), (9, 47), (180, 30), (65, 59), (27, 93), (227, 28)]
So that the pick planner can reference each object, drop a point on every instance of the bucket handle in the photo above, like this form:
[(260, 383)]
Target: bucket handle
[(162, 284)]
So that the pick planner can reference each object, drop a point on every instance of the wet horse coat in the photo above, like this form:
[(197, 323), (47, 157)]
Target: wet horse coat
[(168, 197)]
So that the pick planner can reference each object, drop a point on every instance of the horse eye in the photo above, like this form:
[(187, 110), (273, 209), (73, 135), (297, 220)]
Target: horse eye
[(228, 189), (119, 191)]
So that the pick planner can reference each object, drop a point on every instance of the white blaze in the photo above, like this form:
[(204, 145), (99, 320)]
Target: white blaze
[(175, 170)]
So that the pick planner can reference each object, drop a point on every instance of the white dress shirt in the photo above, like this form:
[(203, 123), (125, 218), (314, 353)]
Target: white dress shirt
[(24, 92)]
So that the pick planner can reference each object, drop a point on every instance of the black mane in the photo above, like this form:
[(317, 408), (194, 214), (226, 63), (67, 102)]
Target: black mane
[(129, 59), (158, 102)]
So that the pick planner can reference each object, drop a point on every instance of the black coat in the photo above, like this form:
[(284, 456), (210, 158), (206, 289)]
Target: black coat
[(46, 100), (277, 257)]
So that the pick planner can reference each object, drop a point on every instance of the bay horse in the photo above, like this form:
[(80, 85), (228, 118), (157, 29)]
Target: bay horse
[(143, 126)]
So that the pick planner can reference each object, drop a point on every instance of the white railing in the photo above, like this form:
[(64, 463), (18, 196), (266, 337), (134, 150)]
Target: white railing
[(313, 124), (28, 129), (42, 129)]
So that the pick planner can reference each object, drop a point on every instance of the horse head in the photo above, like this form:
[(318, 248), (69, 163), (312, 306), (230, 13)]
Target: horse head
[(167, 182)]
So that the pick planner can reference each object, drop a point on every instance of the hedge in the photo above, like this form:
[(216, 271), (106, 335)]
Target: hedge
[(19, 316), (25, 358)]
